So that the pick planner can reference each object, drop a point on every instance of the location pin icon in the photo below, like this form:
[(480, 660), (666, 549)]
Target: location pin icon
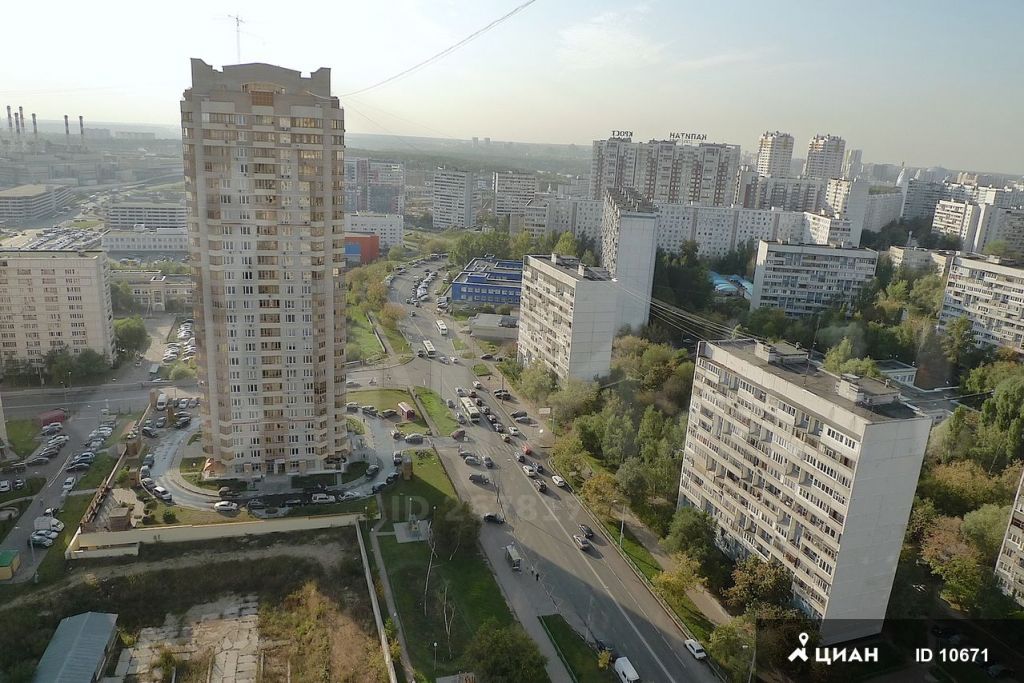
[(803, 638)]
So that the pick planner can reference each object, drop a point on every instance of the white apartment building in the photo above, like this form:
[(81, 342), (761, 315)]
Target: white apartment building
[(989, 291), (822, 228), (804, 279), (1010, 563), (142, 239), (54, 299), (825, 156), (568, 316), (848, 199), (629, 235), (789, 194), (774, 154), (666, 170), (536, 217), (27, 202), (263, 152), (374, 186), (6, 452), (882, 208), (389, 227), (957, 219), (920, 198), (453, 199), (852, 163), (1002, 225), (798, 466), (513, 191), (916, 258), (719, 230), (126, 215)]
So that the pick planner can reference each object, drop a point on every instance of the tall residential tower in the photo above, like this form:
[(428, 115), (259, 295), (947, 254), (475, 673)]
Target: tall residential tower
[(264, 153), (774, 154), (825, 156)]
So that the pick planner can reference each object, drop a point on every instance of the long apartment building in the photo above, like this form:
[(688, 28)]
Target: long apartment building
[(513, 191), (126, 215), (629, 237), (1010, 562), (453, 199), (755, 191), (264, 150), (798, 466), (989, 292), (27, 202), (666, 170), (51, 300), (143, 239), (568, 316), (804, 279)]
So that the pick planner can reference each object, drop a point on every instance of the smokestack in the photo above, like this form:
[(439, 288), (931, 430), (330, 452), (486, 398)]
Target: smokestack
[(17, 124), (10, 120), (81, 127), (21, 111), (67, 128), (35, 130)]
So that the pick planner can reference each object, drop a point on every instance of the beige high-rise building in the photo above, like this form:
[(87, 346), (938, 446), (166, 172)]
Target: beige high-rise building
[(775, 154), (825, 156), (51, 300), (264, 149)]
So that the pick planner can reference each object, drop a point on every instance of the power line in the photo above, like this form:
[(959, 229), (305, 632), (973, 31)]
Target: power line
[(448, 50)]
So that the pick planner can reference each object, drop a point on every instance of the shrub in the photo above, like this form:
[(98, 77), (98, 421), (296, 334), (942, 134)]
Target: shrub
[(169, 517)]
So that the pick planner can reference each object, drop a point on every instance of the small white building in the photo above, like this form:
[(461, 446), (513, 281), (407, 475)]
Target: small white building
[(389, 227), (145, 239)]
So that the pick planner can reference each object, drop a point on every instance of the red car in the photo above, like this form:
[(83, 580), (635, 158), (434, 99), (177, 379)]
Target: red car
[(527, 450)]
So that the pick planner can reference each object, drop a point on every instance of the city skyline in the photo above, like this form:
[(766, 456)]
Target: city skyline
[(884, 90)]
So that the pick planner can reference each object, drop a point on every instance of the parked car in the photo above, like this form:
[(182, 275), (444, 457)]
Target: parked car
[(149, 431), (390, 412), (39, 542), (372, 471), (695, 649), (461, 418), (514, 431), (397, 458), (524, 420), (541, 486), (351, 406), (183, 404), (477, 384), (506, 438), (368, 410), (520, 457), (450, 403), (478, 478), (488, 462), (161, 421), (581, 543), (395, 434), (78, 467), (498, 427), (471, 460), (493, 518), (5, 486), (69, 483), (162, 493), (414, 438), (459, 434), (529, 471), (472, 394), (38, 460), (486, 356), (518, 413), (558, 481), (182, 422), (225, 506)]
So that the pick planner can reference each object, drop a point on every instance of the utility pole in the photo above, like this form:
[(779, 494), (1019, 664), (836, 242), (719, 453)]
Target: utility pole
[(238, 35)]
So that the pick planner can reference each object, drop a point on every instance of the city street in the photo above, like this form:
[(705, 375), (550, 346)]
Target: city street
[(596, 591)]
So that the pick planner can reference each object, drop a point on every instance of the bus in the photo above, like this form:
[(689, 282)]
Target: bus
[(472, 412), (442, 328), (406, 411), (429, 348)]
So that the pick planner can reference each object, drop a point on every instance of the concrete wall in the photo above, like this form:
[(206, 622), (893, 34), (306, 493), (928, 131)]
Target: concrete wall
[(111, 543)]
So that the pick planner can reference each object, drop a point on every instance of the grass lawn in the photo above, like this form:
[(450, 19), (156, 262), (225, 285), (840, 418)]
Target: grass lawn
[(488, 347), (95, 475), (188, 516), (365, 505), (381, 399), (471, 587), (355, 426), (428, 486), (301, 481), (32, 486), (459, 344), (355, 471), (22, 435), (395, 338), (461, 314), (481, 370), (437, 410), (8, 524), (575, 653), (360, 336), (467, 355)]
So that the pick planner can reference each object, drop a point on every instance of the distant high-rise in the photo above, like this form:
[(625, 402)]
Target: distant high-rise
[(453, 199), (264, 166), (513, 191), (774, 154), (852, 165), (825, 155), (629, 239), (665, 170)]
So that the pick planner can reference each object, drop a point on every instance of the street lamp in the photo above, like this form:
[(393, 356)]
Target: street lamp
[(753, 658), (622, 519), (435, 655)]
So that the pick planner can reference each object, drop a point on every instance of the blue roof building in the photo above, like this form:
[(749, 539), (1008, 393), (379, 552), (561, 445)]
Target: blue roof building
[(722, 285), (488, 281)]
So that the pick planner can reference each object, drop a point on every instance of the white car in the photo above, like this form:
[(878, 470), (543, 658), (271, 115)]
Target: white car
[(69, 484), (558, 481), (5, 486), (478, 385), (162, 493), (695, 649), (514, 431), (225, 506), (454, 360), (529, 470)]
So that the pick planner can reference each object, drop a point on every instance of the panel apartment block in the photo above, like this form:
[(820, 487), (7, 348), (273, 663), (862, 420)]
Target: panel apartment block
[(453, 199), (126, 215), (263, 149), (629, 234), (804, 279), (774, 154), (989, 291), (801, 467), (825, 156), (27, 202), (51, 300), (513, 191)]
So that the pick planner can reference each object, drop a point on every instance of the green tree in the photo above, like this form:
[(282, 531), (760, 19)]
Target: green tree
[(674, 583), (633, 479), (590, 430), (599, 492), (759, 583), (181, 371), (566, 244), (985, 528), (122, 300), (732, 647), (454, 527), (962, 486), (692, 532), (391, 314), (617, 443), (838, 355), (960, 345), (682, 279), (536, 382), (588, 258), (574, 398), (89, 364), (570, 457), (1005, 411), (648, 434), (503, 654), (60, 366), (944, 541), (396, 253), (922, 516), (963, 581), (131, 335)]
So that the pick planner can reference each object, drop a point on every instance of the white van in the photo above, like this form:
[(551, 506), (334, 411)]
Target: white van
[(161, 402), (318, 498), (625, 670), (513, 557)]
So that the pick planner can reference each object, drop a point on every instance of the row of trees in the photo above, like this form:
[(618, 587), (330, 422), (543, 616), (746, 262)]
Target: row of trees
[(503, 245)]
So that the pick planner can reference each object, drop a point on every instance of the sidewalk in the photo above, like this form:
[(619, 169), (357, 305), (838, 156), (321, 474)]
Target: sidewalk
[(389, 598)]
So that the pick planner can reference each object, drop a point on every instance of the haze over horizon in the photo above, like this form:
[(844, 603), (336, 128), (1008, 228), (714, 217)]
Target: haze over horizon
[(571, 72)]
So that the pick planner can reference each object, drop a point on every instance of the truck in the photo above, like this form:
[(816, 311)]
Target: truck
[(625, 671), (49, 416), (515, 560), (48, 524)]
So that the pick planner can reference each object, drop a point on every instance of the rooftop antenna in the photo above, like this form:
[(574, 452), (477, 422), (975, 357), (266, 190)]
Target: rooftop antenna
[(238, 36)]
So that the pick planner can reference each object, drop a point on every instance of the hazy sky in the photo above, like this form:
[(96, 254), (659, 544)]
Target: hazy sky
[(928, 82)]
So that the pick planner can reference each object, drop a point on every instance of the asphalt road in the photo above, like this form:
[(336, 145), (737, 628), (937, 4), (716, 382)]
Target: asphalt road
[(595, 590)]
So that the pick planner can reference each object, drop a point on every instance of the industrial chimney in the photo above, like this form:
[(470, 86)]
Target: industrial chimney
[(17, 124), (67, 128), (81, 128), (35, 130), (21, 111), (10, 120)]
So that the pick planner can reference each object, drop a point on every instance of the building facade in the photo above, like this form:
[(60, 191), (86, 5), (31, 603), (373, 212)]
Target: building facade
[(513, 191), (126, 215), (488, 281), (852, 163), (804, 279), (916, 258), (719, 230), (51, 300), (789, 194), (453, 199), (1010, 563), (143, 239), (920, 198), (989, 292), (800, 467), (629, 238), (957, 219), (361, 248), (825, 156), (389, 227), (374, 186), (848, 199), (568, 317), (882, 209), (155, 292), (27, 202), (263, 153), (774, 154)]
